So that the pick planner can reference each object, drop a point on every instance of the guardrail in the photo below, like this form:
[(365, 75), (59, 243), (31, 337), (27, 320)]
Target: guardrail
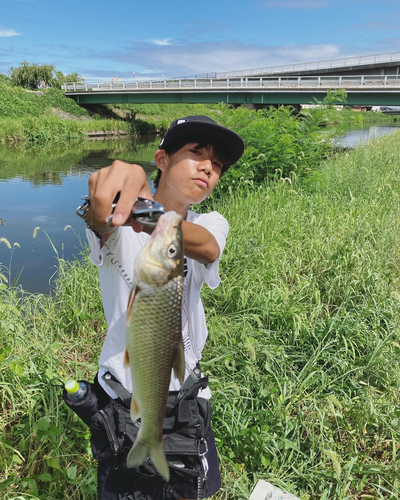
[(326, 64), (247, 83)]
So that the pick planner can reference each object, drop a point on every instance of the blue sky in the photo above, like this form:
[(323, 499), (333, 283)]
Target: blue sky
[(104, 39)]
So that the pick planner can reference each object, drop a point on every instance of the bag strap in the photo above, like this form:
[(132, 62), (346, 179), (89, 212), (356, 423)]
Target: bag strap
[(193, 383), (113, 383)]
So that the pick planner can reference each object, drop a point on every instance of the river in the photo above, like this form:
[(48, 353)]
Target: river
[(43, 187), (354, 137)]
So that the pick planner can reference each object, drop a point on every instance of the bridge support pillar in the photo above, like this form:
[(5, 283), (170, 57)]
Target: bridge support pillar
[(253, 106), (296, 108), (250, 106)]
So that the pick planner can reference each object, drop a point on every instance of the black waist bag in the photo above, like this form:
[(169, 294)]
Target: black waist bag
[(185, 432)]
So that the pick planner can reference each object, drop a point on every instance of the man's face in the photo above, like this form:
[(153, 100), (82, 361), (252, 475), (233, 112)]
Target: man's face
[(192, 172)]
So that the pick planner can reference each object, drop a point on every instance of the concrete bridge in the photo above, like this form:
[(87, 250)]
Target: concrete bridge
[(378, 85), (374, 64), (367, 90)]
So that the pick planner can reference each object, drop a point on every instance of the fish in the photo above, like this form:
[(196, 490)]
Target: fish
[(154, 344)]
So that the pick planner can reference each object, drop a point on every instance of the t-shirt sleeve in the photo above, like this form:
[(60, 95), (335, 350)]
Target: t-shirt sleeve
[(97, 252), (219, 228), (95, 256)]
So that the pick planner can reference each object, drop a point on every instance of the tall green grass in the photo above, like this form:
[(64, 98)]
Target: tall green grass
[(303, 352), (54, 130), (44, 449), (157, 117), (277, 140), (304, 347), (16, 102)]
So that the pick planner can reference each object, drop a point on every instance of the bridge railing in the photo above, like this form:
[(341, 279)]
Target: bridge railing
[(281, 82), (325, 64)]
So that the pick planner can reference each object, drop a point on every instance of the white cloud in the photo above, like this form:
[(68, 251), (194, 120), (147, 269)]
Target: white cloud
[(296, 4), (6, 32), (150, 61), (165, 41), (195, 58)]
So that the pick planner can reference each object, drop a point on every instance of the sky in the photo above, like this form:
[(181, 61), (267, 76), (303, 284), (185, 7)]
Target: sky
[(150, 39)]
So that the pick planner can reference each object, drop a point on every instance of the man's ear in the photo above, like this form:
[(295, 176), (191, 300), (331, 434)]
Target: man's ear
[(161, 158)]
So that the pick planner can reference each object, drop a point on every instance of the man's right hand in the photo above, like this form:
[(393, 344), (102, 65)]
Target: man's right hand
[(104, 184)]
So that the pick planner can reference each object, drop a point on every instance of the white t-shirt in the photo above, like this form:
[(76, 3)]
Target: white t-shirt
[(125, 246)]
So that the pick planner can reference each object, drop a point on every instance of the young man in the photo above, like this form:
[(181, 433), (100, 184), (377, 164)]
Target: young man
[(193, 155)]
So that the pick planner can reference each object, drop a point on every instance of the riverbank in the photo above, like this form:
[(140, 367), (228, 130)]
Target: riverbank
[(303, 353), (47, 116)]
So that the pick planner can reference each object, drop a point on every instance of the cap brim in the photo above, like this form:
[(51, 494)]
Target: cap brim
[(231, 142)]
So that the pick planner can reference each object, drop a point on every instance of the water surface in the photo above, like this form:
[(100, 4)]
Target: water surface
[(353, 138), (43, 188)]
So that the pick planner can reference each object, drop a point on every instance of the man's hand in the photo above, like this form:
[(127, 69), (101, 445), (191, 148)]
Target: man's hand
[(127, 179)]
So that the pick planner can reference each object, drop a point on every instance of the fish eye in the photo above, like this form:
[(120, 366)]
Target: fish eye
[(171, 252)]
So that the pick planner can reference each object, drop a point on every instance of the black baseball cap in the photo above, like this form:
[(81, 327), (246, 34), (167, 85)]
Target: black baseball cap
[(205, 127)]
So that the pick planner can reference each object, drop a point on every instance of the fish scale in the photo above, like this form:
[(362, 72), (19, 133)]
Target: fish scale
[(154, 344), (153, 350)]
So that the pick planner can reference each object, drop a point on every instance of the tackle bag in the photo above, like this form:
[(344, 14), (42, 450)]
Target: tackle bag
[(187, 425)]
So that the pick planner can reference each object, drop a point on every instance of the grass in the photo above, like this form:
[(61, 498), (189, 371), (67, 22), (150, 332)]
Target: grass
[(303, 352), (54, 130), (306, 385), (31, 118), (156, 118), (20, 110), (16, 102)]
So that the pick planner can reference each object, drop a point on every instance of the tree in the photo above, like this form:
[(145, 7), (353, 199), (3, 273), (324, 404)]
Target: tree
[(34, 76), (72, 77), (337, 96)]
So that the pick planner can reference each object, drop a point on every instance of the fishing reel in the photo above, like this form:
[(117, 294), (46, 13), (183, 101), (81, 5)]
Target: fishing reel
[(144, 211)]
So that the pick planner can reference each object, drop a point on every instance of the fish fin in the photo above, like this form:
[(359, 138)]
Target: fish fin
[(132, 296), (135, 409), (126, 358), (159, 460), (179, 362), (138, 453)]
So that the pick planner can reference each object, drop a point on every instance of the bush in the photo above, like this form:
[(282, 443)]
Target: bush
[(277, 144), (16, 102)]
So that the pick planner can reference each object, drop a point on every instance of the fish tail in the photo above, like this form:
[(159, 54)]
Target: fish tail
[(159, 460), (139, 453)]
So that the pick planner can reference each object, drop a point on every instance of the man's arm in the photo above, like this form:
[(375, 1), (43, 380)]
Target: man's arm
[(130, 180), (200, 244)]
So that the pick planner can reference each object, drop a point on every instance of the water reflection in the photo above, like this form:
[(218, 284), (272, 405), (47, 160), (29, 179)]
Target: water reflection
[(52, 164), (43, 188)]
